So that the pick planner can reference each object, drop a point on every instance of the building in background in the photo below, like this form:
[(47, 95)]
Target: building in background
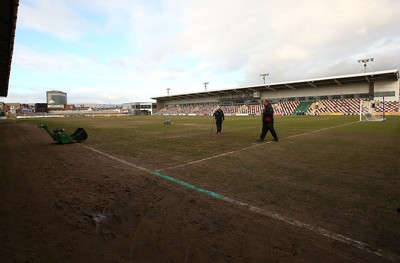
[(12, 108), (40, 107), (56, 99), (139, 108)]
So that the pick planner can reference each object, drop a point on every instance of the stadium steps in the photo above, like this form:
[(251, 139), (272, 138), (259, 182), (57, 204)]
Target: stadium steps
[(302, 108)]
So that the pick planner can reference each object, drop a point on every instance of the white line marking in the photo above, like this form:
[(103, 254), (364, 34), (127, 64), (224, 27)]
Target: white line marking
[(245, 148), (196, 161), (320, 231), (118, 159)]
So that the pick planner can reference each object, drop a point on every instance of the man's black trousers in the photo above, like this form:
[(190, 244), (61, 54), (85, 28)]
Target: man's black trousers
[(219, 126), (268, 126)]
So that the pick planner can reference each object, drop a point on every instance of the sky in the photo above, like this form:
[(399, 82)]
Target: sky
[(121, 51)]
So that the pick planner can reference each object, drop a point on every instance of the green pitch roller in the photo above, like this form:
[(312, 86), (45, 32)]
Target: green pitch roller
[(62, 137)]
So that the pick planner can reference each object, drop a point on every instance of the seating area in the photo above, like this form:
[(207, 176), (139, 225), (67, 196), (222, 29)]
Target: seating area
[(321, 107), (390, 107), (342, 107), (186, 110), (286, 108), (209, 110)]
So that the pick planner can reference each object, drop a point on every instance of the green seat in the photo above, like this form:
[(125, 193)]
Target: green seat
[(302, 108)]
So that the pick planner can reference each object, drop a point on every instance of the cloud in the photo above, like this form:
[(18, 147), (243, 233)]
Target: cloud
[(141, 47), (52, 17)]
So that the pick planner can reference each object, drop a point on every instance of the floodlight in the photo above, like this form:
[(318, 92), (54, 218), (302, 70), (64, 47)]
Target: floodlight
[(205, 85), (263, 75), (365, 61)]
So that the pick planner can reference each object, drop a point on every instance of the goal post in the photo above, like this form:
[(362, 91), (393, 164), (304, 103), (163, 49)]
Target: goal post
[(372, 110)]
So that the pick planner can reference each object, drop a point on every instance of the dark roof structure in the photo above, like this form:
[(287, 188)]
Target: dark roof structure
[(293, 85), (8, 23)]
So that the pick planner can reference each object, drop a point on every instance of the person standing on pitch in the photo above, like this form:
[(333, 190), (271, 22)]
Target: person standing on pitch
[(267, 122), (219, 118)]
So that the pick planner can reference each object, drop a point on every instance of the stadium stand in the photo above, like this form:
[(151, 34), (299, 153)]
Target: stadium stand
[(321, 107), (302, 108), (286, 108), (390, 107), (337, 95), (343, 107)]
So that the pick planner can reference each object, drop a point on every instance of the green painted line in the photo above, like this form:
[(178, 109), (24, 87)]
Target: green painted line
[(201, 190)]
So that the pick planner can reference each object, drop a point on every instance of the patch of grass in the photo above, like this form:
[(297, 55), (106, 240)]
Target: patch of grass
[(331, 171)]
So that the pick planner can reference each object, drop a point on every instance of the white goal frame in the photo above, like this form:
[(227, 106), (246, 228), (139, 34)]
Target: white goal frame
[(372, 110)]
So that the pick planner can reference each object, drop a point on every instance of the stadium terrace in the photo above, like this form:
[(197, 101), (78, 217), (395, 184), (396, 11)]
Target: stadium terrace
[(338, 95)]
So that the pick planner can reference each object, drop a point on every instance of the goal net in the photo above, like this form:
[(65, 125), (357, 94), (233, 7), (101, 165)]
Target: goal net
[(372, 110)]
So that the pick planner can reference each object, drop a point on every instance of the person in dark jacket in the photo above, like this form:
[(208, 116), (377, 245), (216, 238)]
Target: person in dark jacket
[(267, 122), (219, 118)]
